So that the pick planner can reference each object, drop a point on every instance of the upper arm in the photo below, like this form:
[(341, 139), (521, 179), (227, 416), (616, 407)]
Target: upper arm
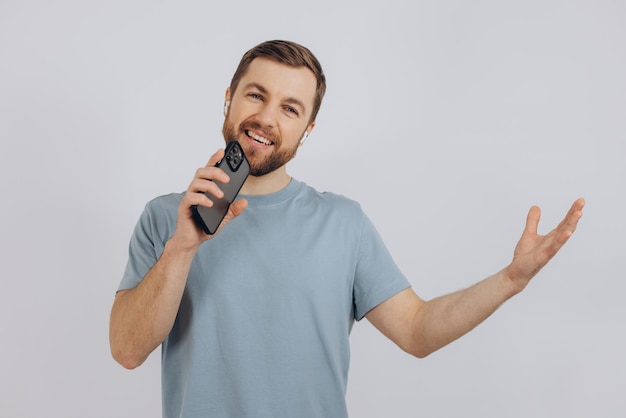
[(395, 316)]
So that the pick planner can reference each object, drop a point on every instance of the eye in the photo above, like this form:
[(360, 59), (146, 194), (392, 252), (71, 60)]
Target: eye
[(292, 110), (255, 96)]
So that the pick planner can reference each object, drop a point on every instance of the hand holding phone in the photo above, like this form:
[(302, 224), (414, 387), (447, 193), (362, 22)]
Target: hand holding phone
[(237, 167)]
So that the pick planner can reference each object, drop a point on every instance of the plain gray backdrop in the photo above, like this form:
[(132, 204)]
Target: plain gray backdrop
[(483, 109)]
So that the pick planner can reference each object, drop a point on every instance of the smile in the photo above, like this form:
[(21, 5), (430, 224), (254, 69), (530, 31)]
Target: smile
[(258, 138)]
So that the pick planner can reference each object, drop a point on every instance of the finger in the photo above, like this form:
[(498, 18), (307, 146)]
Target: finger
[(197, 196), (215, 158), (532, 220), (576, 211), (235, 209), (210, 171), (209, 174), (568, 225), (573, 215), (580, 203)]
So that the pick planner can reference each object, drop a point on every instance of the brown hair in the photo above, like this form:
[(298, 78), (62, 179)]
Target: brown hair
[(288, 53)]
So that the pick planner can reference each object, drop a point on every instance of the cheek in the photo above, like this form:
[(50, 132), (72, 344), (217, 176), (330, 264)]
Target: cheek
[(228, 129), (292, 132)]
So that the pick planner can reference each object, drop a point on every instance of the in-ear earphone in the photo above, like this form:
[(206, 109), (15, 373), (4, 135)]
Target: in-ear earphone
[(304, 137), (226, 104)]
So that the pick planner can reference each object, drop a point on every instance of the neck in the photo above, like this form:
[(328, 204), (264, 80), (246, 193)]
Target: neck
[(269, 183)]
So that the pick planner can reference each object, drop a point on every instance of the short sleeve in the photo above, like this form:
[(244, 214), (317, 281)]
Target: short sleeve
[(155, 226), (377, 276)]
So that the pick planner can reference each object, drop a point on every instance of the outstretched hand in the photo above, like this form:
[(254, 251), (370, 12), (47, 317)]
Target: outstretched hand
[(533, 251)]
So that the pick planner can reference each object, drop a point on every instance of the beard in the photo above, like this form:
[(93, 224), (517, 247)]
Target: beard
[(259, 166)]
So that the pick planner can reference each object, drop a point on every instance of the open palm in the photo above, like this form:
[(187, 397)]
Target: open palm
[(533, 251)]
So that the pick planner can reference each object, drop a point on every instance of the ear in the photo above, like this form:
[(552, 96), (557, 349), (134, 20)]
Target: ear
[(307, 132), (310, 128), (226, 102)]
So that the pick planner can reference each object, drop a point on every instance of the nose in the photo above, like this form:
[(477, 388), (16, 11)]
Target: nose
[(267, 114)]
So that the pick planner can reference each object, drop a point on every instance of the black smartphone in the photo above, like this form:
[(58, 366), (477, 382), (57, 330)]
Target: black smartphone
[(237, 167)]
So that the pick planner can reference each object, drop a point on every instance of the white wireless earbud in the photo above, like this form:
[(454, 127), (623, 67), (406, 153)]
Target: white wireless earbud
[(226, 105), (304, 137)]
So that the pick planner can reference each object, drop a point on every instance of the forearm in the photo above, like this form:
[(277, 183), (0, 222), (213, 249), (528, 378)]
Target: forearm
[(421, 328), (141, 318), (440, 321)]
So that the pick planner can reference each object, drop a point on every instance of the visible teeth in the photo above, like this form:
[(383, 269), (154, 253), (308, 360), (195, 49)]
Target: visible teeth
[(259, 138)]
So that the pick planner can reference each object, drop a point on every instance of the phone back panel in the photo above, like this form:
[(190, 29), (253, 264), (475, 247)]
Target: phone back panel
[(237, 167)]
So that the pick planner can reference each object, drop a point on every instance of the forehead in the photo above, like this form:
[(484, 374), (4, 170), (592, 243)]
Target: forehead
[(281, 80)]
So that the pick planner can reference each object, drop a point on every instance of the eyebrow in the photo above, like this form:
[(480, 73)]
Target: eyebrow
[(291, 100)]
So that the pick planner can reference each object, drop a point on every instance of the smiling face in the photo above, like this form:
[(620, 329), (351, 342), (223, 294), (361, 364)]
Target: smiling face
[(269, 113)]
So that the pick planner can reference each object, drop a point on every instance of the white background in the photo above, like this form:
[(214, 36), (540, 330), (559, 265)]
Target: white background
[(446, 120)]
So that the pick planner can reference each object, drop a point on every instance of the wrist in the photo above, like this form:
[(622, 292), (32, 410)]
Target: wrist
[(510, 282), (177, 247)]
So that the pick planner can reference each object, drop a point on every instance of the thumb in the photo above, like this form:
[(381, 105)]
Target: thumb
[(235, 209)]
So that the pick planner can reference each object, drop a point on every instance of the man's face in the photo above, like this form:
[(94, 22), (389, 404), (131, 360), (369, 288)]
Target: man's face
[(269, 112)]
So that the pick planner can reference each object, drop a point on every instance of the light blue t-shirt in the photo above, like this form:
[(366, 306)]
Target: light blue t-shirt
[(263, 327)]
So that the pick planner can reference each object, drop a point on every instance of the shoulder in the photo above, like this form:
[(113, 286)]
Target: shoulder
[(164, 203), (160, 213), (326, 197), (332, 209), (330, 201)]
